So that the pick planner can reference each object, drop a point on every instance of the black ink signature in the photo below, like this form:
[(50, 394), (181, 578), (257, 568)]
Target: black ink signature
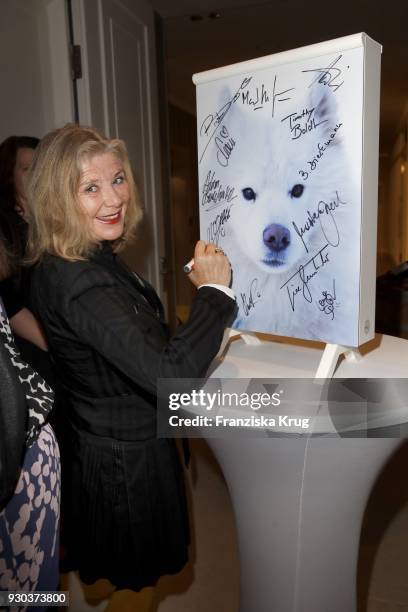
[(321, 147), (216, 227), (225, 145), (276, 95), (302, 277), (328, 76), (302, 123), (323, 213), (249, 303), (211, 123), (327, 302), (256, 100), (214, 193)]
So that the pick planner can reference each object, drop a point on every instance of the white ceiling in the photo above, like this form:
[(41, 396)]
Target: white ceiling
[(248, 29)]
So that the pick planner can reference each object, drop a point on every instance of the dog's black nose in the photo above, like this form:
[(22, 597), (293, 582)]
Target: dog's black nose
[(276, 237)]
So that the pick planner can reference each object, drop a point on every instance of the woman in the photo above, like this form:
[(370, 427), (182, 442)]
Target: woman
[(29, 475), (16, 153), (123, 495)]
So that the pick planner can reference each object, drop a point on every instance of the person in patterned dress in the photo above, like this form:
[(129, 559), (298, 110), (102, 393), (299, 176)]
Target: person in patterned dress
[(30, 475)]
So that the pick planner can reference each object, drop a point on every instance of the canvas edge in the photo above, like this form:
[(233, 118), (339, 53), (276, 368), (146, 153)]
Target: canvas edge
[(369, 189)]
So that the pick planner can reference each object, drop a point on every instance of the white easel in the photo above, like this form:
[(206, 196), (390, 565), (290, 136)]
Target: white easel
[(330, 357), (328, 361)]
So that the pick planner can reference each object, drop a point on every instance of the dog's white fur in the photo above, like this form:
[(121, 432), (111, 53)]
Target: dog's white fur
[(266, 160)]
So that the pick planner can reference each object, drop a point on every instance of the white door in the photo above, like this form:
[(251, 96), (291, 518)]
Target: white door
[(117, 94)]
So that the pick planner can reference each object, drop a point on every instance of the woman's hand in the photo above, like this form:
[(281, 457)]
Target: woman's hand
[(211, 266)]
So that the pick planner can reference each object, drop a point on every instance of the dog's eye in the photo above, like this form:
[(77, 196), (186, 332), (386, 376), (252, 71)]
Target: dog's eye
[(297, 191), (249, 193)]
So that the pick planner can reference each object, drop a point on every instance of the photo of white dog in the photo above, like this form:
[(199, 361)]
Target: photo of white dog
[(278, 196)]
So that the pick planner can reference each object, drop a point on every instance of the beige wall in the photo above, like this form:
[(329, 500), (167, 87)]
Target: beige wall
[(393, 204), (184, 197)]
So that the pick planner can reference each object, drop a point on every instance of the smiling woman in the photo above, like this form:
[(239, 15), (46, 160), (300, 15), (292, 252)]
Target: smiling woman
[(123, 499), (104, 195), (82, 185)]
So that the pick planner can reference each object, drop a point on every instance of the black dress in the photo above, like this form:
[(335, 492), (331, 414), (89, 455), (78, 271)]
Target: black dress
[(123, 497)]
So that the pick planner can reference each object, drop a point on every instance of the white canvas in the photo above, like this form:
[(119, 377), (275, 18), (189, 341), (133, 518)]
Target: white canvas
[(281, 175)]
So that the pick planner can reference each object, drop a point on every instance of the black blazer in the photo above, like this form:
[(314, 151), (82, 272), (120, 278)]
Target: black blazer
[(125, 513), (110, 342)]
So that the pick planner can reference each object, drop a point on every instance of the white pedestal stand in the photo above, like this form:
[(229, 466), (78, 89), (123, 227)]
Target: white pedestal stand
[(299, 502)]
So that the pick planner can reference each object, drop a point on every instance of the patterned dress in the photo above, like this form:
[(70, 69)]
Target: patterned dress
[(29, 536)]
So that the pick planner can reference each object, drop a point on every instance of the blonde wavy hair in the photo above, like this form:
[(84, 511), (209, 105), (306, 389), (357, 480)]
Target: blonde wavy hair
[(58, 225)]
